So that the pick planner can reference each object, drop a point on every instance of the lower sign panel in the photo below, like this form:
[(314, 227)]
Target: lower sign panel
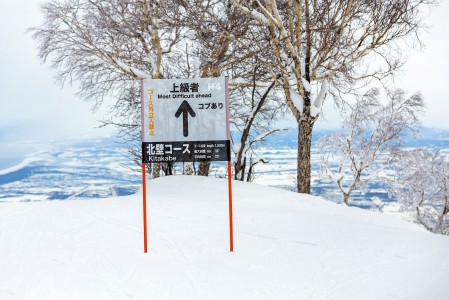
[(191, 151)]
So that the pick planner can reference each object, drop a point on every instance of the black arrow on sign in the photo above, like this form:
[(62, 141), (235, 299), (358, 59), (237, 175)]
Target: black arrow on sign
[(185, 108)]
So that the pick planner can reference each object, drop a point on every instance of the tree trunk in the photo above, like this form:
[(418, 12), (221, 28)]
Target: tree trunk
[(345, 198), (239, 168), (240, 160), (188, 169), (250, 176), (156, 170), (203, 169), (305, 127), (167, 168)]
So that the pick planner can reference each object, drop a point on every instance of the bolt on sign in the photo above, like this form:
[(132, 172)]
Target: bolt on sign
[(185, 120)]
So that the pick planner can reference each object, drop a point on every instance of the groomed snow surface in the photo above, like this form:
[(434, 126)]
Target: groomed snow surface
[(287, 246)]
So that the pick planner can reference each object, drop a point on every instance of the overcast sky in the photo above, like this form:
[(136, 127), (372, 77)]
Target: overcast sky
[(33, 106)]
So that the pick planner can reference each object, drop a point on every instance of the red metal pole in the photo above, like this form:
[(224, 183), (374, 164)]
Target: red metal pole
[(144, 196), (228, 134), (231, 229), (144, 181)]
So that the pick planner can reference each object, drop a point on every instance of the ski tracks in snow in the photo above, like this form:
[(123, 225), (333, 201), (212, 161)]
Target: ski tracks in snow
[(287, 246)]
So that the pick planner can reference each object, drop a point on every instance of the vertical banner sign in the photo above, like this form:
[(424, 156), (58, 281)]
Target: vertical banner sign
[(186, 120)]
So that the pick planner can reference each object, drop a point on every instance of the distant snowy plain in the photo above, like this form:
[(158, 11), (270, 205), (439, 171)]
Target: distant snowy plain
[(98, 168), (77, 169), (287, 246)]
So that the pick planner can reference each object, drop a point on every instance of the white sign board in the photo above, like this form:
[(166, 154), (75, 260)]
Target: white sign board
[(185, 120)]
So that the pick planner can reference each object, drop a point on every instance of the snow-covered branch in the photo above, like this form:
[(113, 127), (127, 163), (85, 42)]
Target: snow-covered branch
[(319, 100), (369, 141), (422, 187), (139, 74)]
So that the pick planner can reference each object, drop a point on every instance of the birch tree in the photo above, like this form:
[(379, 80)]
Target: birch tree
[(106, 47), (220, 41), (371, 138), (422, 187), (329, 46)]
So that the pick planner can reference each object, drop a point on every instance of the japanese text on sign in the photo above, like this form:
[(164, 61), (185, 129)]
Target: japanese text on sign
[(182, 115)]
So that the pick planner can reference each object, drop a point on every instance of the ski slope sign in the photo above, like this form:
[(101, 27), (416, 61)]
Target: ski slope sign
[(185, 120)]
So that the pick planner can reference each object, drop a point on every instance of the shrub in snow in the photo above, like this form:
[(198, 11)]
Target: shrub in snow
[(422, 187), (370, 138)]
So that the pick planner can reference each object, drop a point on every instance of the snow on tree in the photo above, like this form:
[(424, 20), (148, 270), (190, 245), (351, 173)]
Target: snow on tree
[(310, 48), (218, 38), (371, 137), (106, 47), (324, 46), (422, 187), (254, 107), (104, 44)]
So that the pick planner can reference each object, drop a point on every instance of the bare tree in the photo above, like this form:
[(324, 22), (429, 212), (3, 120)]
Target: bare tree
[(220, 32), (370, 138), (220, 42), (422, 187), (107, 46), (253, 111), (104, 44), (330, 46)]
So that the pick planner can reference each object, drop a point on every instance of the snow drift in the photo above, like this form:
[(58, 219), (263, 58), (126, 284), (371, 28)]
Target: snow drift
[(287, 246)]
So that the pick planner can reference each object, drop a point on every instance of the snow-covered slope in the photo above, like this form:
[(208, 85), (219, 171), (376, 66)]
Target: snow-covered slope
[(287, 246)]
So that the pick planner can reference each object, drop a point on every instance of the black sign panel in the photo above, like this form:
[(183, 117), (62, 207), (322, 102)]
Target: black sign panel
[(188, 151)]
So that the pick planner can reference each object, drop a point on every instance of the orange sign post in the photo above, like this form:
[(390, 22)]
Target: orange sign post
[(228, 136), (144, 198), (231, 227), (144, 181)]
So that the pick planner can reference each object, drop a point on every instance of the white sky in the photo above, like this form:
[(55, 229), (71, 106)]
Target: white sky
[(425, 71), (33, 106)]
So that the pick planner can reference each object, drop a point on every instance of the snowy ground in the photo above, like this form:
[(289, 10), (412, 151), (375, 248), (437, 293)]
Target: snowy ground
[(287, 246)]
